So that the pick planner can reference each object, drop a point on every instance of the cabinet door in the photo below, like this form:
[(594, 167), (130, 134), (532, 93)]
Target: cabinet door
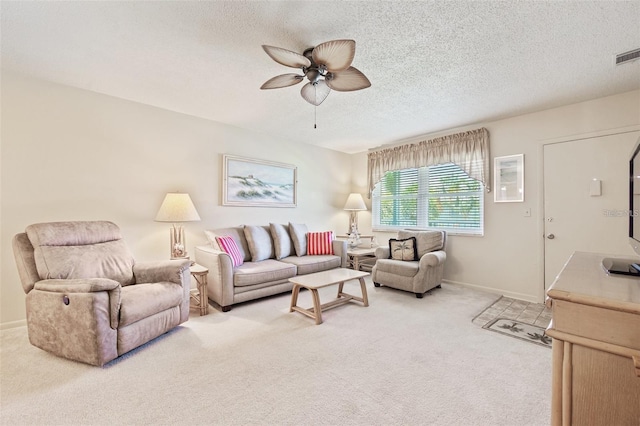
[(605, 388)]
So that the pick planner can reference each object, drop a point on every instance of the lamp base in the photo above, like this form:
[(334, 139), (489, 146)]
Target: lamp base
[(178, 243), (354, 240)]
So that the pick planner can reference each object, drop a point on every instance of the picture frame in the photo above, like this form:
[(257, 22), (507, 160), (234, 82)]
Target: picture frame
[(250, 182), (508, 179)]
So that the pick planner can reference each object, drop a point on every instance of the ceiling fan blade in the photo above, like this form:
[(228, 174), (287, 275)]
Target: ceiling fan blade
[(348, 80), (286, 57), (315, 94), (335, 55), (283, 80)]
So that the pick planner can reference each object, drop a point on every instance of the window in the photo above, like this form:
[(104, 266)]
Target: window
[(437, 197)]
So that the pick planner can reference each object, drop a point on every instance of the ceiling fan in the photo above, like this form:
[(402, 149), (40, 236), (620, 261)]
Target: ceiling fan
[(327, 66)]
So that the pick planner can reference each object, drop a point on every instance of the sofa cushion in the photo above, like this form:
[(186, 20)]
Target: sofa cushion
[(237, 233), (298, 234), (260, 242), (320, 243), (69, 250), (251, 273), (228, 245), (281, 240), (311, 264), (404, 249), (143, 300), (211, 238)]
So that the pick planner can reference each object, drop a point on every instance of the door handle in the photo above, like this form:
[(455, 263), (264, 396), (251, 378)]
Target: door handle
[(551, 236)]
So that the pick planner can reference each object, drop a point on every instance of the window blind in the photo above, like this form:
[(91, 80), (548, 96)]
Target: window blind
[(437, 197)]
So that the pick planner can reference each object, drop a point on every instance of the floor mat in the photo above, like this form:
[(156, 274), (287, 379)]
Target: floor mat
[(520, 330), (508, 316)]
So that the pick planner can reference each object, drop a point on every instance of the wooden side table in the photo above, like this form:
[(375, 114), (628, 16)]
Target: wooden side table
[(356, 256), (199, 294)]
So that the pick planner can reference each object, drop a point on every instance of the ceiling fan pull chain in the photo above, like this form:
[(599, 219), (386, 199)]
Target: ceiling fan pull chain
[(315, 108)]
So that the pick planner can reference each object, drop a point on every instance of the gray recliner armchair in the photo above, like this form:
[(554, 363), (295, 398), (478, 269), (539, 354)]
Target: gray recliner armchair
[(87, 299), (417, 276)]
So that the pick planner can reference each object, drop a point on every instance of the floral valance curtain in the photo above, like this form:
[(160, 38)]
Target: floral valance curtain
[(469, 150)]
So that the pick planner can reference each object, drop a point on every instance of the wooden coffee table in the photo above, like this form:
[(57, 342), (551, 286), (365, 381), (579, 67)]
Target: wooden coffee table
[(313, 282)]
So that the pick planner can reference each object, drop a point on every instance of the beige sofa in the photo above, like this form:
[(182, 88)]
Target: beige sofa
[(271, 254), (87, 299)]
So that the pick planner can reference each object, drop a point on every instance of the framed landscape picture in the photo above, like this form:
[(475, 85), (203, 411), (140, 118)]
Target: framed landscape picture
[(508, 175), (251, 182)]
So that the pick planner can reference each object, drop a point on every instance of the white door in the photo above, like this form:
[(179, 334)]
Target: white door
[(574, 219)]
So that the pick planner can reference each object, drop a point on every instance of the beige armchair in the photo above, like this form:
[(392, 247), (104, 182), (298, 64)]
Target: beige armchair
[(417, 276), (87, 300)]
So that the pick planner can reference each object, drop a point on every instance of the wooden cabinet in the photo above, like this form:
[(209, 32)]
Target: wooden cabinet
[(596, 345)]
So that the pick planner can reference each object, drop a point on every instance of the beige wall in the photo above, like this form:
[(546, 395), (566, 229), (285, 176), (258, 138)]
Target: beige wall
[(508, 258), (70, 154)]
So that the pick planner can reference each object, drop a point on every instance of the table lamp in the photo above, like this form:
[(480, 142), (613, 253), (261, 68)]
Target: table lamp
[(354, 204), (177, 207)]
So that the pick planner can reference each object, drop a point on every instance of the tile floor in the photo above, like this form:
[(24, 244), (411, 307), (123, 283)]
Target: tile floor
[(506, 307)]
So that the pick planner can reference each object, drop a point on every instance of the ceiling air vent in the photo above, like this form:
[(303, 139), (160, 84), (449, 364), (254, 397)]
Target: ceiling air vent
[(627, 56)]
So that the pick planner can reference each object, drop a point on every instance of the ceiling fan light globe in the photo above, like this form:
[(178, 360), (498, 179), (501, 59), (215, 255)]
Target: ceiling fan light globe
[(315, 93)]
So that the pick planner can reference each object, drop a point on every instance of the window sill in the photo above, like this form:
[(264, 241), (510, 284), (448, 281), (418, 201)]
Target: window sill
[(449, 232)]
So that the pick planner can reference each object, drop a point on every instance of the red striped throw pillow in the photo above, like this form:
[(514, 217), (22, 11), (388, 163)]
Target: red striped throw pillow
[(229, 246), (320, 242)]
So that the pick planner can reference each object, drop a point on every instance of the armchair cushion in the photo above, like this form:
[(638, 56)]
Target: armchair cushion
[(143, 300), (404, 249), (403, 269), (70, 250), (426, 241)]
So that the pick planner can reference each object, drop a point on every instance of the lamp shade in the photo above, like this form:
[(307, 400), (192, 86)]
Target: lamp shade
[(355, 202), (177, 207)]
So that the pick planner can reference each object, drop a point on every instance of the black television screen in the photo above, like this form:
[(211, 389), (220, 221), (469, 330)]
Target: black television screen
[(634, 198), (627, 266)]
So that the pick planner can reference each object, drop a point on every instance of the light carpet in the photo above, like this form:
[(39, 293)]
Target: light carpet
[(400, 361)]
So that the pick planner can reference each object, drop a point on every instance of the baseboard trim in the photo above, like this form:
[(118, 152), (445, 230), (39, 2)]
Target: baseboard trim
[(13, 324), (512, 294)]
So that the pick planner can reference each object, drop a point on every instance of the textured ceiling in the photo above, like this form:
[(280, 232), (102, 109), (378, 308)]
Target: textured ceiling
[(433, 65)]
